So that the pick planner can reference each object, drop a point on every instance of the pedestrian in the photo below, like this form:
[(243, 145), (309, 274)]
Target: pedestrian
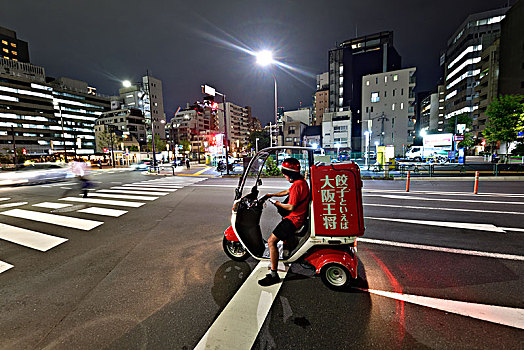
[(187, 163), (294, 214)]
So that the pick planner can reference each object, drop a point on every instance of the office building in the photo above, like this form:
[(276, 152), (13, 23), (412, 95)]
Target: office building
[(511, 72), (462, 54), (12, 47), (146, 95), (388, 106), (237, 121), (348, 63), (130, 124), (46, 116), (336, 131)]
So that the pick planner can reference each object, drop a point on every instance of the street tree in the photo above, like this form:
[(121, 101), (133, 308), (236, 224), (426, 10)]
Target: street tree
[(469, 140), (506, 119), (263, 139)]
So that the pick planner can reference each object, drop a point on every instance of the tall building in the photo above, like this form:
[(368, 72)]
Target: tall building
[(388, 106), (321, 98), (12, 47), (511, 73), (237, 121), (147, 96), (130, 122), (462, 54), (336, 131), (348, 63), (46, 116)]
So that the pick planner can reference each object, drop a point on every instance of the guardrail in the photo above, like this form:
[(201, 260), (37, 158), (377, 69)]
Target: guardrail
[(159, 167), (442, 170)]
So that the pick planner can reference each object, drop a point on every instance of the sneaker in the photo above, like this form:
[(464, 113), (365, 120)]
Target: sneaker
[(269, 280)]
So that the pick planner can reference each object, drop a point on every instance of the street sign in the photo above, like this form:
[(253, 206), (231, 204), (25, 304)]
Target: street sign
[(208, 90), (459, 137)]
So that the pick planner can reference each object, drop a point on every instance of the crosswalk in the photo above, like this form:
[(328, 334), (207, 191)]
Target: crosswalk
[(102, 204)]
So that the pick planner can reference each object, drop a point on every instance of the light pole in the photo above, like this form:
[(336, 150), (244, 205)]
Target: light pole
[(368, 140), (256, 145), (423, 134), (265, 58)]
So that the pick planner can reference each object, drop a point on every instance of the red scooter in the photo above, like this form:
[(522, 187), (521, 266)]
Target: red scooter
[(328, 239)]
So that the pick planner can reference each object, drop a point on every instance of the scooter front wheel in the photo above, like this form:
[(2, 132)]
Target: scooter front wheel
[(335, 276), (234, 250)]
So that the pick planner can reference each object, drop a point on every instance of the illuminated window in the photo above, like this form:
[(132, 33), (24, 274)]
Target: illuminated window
[(367, 82), (13, 44), (5, 50), (14, 53), (14, 59), (393, 107), (6, 57), (375, 97), (395, 77), (4, 42), (385, 79), (401, 105)]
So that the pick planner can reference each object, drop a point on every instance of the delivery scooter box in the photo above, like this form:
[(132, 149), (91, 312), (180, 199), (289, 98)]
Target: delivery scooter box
[(337, 200)]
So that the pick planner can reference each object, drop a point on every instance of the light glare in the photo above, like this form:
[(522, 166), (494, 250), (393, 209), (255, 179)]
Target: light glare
[(264, 58), (126, 83)]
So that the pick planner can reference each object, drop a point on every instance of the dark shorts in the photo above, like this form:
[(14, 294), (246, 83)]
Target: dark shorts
[(285, 230)]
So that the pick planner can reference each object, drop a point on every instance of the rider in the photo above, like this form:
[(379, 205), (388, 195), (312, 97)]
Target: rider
[(297, 207)]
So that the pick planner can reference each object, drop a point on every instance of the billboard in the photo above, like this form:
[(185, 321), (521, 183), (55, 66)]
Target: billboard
[(438, 140)]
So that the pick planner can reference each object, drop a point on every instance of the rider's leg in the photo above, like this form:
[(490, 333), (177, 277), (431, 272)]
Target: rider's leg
[(273, 251)]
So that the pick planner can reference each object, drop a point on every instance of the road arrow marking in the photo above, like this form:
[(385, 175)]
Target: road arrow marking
[(464, 225), (4, 266), (507, 316)]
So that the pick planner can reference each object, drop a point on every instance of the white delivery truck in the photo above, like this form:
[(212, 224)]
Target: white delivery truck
[(436, 147)]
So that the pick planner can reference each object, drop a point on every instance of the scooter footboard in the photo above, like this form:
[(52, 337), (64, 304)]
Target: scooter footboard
[(320, 256)]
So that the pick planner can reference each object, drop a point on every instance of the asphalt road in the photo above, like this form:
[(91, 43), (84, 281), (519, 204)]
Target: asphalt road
[(156, 277)]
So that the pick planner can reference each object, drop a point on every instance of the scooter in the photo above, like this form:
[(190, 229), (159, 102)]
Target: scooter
[(328, 239)]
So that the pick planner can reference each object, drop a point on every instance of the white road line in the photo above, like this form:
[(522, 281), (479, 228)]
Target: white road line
[(103, 211), (464, 225), (28, 238), (477, 201), (150, 193), (10, 205), (66, 221), (4, 266), (145, 188), (4, 199), (102, 201), (238, 325), (444, 193), (442, 249), (153, 186), (513, 229), (51, 205), (122, 196), (448, 209), (504, 315)]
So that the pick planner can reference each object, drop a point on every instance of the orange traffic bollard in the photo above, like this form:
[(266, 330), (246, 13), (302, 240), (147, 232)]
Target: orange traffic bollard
[(407, 181), (476, 188)]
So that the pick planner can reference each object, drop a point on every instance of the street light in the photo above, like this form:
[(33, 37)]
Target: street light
[(126, 83), (265, 58), (256, 144)]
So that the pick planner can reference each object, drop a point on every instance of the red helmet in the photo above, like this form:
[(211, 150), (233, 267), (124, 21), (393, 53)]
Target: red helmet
[(291, 167)]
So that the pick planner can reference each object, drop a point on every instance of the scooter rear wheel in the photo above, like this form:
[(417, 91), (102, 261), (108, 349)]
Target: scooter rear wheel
[(234, 250), (335, 276)]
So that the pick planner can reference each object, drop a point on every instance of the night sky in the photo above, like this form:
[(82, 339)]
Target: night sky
[(189, 43)]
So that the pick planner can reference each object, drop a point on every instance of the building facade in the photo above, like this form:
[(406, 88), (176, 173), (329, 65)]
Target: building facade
[(511, 72), (336, 131), (47, 116), (388, 105), (130, 122), (146, 96), (462, 54), (237, 124), (12, 47), (348, 63)]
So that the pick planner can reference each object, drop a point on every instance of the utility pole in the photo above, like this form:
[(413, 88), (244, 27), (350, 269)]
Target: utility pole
[(14, 146), (151, 119), (63, 133)]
